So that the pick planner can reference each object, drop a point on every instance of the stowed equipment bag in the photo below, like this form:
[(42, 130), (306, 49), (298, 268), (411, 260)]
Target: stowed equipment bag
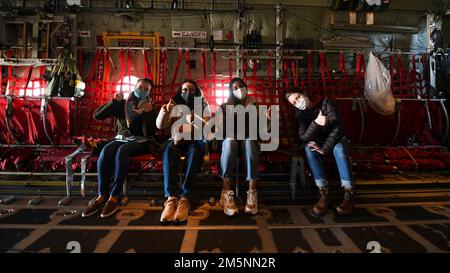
[(377, 89)]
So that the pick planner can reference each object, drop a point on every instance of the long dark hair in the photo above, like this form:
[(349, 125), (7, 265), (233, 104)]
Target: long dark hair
[(198, 91), (293, 90), (231, 98)]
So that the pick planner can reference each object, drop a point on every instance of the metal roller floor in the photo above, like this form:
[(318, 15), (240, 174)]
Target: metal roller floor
[(373, 227)]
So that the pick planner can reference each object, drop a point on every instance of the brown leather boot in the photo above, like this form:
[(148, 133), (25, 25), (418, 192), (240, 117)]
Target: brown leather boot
[(347, 204), (226, 184), (94, 206), (111, 207), (321, 207)]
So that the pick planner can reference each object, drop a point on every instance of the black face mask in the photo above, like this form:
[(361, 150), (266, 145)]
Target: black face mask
[(186, 96), (188, 99)]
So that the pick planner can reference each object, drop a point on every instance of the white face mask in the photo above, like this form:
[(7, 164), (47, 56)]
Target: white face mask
[(302, 103), (240, 93)]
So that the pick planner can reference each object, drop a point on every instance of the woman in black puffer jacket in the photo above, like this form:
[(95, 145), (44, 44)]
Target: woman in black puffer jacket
[(322, 132)]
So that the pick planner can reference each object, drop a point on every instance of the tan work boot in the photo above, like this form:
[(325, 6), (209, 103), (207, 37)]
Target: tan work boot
[(251, 206), (347, 204), (183, 207), (170, 206), (227, 203), (321, 207)]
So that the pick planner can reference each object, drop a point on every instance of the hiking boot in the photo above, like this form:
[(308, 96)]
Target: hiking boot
[(170, 206), (347, 204), (321, 207), (251, 206), (183, 207), (228, 204)]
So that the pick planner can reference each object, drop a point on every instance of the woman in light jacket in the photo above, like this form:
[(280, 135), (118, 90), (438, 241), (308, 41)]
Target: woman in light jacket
[(177, 205)]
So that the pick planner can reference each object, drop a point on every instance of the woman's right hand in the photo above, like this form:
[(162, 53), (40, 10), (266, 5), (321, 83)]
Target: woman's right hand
[(169, 106), (118, 96), (321, 119)]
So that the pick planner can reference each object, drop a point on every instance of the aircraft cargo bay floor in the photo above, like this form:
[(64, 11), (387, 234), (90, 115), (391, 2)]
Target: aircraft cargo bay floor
[(395, 227)]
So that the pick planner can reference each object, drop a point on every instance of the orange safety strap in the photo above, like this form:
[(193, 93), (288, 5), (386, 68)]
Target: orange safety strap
[(177, 67), (230, 65)]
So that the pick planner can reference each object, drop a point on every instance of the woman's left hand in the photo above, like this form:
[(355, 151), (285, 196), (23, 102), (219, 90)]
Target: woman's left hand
[(148, 107), (145, 108)]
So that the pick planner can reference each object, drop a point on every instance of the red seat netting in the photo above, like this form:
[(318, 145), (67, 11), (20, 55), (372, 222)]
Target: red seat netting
[(105, 70)]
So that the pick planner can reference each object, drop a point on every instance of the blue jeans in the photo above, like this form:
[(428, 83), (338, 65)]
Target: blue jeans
[(115, 159), (194, 151), (230, 149), (340, 152)]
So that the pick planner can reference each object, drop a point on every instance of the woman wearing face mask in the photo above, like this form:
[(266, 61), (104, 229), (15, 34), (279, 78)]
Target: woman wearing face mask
[(134, 117), (177, 205), (238, 95), (321, 130)]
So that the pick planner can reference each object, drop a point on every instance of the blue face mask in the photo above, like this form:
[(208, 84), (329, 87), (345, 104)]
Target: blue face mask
[(140, 94)]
